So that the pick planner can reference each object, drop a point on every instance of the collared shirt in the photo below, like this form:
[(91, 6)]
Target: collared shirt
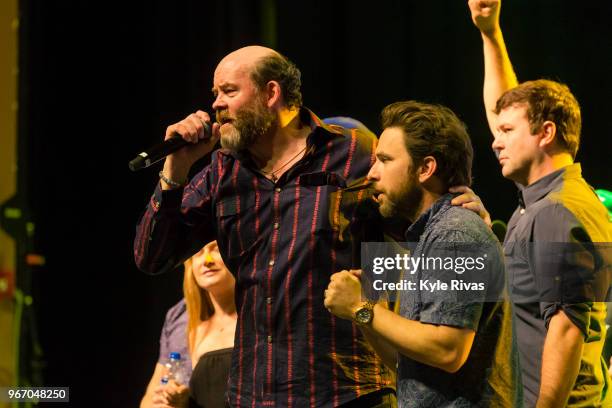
[(490, 377), (282, 241), (554, 263), (173, 337)]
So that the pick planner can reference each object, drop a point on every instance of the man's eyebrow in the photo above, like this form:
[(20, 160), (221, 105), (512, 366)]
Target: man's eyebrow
[(221, 86)]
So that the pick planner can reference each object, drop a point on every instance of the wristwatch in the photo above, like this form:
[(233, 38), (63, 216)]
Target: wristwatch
[(365, 313)]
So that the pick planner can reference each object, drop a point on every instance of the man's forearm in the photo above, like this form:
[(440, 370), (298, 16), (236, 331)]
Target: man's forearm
[(385, 351), (560, 361), (439, 346), (164, 239), (499, 75), (175, 171), (156, 237)]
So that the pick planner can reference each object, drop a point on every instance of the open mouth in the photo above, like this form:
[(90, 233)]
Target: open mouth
[(223, 117), (376, 196)]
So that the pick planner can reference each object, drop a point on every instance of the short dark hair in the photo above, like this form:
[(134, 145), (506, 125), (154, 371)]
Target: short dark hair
[(548, 100), (276, 67), (434, 130)]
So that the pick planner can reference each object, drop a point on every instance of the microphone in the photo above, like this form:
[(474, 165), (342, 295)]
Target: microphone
[(156, 153), (499, 228)]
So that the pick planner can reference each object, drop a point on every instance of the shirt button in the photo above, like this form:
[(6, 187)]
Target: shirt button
[(522, 211), (271, 263), (269, 339), (269, 300), (276, 225), (277, 189)]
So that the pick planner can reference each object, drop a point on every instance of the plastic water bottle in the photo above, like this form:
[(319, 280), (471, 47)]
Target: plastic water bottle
[(175, 369)]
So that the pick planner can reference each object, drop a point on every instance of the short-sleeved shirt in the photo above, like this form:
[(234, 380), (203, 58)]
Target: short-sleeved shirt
[(491, 375), (174, 336), (557, 251)]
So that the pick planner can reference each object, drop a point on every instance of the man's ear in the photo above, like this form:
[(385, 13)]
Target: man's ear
[(273, 93), (427, 169), (548, 133)]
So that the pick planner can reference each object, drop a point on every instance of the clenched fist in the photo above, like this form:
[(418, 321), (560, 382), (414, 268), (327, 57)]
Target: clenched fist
[(485, 14), (343, 294)]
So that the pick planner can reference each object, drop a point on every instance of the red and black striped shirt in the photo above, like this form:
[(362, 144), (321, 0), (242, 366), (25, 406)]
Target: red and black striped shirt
[(282, 241)]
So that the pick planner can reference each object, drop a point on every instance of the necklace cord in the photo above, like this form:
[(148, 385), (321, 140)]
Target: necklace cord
[(272, 173)]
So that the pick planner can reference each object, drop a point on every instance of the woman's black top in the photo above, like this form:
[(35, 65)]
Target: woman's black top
[(209, 379)]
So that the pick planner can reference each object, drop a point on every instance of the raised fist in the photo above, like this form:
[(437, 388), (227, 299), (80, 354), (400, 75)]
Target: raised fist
[(485, 14)]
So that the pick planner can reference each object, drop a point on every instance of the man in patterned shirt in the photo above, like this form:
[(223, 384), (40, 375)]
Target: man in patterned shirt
[(452, 347), (272, 197)]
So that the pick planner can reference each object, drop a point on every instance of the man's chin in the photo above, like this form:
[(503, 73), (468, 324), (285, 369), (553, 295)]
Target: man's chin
[(225, 144), (387, 211), (512, 175), (230, 139)]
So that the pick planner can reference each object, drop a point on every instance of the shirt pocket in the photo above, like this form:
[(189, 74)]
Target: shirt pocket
[(235, 223), (319, 194), (521, 280)]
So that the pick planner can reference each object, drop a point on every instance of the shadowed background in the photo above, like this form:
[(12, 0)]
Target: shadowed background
[(100, 81)]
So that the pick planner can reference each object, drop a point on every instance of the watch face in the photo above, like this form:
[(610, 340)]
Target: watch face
[(364, 315)]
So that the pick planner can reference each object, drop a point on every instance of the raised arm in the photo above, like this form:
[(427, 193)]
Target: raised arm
[(177, 220), (499, 75)]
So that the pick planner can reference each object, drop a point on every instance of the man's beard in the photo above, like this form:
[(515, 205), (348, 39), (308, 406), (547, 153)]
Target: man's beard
[(251, 122), (406, 202)]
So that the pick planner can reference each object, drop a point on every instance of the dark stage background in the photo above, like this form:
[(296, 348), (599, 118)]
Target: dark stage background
[(100, 81)]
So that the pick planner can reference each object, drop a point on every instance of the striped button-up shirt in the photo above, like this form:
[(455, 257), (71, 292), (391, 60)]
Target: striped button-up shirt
[(282, 241)]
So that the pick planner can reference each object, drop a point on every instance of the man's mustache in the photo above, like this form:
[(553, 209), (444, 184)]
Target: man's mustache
[(222, 116)]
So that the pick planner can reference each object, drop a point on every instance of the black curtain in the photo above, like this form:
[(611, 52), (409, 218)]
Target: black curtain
[(102, 80)]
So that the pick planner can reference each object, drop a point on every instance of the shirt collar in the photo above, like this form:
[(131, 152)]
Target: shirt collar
[(535, 192), (321, 132), (414, 232)]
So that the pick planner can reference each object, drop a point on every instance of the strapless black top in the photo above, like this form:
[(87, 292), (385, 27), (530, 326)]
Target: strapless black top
[(209, 379)]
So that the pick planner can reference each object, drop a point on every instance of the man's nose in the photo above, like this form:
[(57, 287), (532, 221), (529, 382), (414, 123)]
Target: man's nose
[(219, 103), (497, 144), (373, 173)]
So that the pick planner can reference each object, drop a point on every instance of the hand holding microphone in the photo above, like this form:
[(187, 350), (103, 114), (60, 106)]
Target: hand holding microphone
[(185, 142)]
